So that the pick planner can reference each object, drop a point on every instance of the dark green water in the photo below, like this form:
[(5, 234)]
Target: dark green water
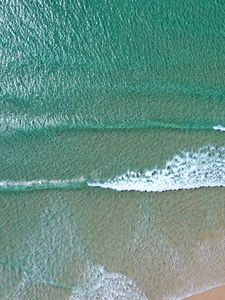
[(124, 95)]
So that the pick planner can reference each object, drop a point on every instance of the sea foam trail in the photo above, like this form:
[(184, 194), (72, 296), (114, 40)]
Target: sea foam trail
[(13, 123), (189, 170), (10, 185)]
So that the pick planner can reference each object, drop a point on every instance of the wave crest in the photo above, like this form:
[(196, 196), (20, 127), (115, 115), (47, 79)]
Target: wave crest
[(10, 185), (13, 123), (219, 127), (189, 170)]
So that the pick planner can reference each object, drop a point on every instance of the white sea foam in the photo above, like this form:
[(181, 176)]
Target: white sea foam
[(219, 127), (41, 183), (101, 284), (189, 170)]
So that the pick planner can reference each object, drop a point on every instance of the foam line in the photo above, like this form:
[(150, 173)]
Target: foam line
[(189, 170), (9, 185)]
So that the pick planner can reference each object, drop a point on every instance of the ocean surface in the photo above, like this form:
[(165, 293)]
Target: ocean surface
[(112, 147)]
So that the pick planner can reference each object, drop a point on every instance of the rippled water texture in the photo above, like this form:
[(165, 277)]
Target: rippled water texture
[(123, 95), (111, 64)]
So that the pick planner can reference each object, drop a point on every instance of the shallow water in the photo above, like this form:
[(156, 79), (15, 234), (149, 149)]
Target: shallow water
[(97, 243)]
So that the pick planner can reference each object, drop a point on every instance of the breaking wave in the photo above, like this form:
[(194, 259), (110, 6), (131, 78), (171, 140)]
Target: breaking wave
[(9, 185), (219, 127), (189, 170)]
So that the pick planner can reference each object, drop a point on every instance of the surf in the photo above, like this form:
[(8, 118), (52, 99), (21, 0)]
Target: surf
[(219, 128), (187, 170), (204, 167), (38, 184)]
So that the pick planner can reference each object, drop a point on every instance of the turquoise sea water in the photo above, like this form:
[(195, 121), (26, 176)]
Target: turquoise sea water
[(123, 95)]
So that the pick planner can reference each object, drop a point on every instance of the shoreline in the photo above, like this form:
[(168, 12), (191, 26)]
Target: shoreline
[(217, 293)]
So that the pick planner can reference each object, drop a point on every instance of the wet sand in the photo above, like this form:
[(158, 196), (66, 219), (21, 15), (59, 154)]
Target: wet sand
[(212, 294)]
